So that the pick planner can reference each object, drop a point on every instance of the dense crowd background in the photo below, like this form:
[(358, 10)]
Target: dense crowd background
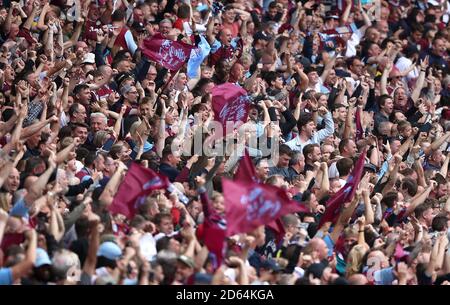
[(328, 80)]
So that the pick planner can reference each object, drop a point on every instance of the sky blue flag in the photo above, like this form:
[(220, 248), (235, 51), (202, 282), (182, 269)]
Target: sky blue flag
[(198, 55)]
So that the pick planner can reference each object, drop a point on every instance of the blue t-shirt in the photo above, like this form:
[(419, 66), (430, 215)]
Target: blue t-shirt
[(20, 209), (6, 276), (384, 276), (330, 244)]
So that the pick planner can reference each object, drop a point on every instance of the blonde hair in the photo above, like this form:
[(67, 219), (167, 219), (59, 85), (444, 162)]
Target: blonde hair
[(354, 259), (100, 138), (216, 195), (4, 205)]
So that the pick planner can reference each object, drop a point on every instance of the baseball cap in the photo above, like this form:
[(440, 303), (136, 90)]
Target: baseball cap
[(186, 260), (303, 60), (202, 278), (310, 69), (316, 270), (123, 76), (331, 15), (138, 26), (271, 264), (370, 167), (109, 250), (261, 36), (42, 258), (433, 3), (89, 58)]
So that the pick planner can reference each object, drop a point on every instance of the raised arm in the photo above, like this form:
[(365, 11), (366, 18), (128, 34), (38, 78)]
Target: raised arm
[(420, 198), (41, 22), (94, 241), (76, 35), (393, 175), (348, 127), (421, 80), (346, 14), (328, 67), (162, 130), (384, 77), (107, 196), (209, 31), (25, 266), (29, 22), (444, 168), (38, 187)]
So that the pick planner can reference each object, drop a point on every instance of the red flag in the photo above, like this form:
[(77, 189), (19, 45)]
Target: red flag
[(345, 194), (246, 171), (250, 205), (230, 104), (278, 228), (170, 54), (359, 129), (138, 182)]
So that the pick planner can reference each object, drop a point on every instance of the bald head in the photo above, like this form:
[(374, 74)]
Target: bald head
[(358, 279), (29, 181)]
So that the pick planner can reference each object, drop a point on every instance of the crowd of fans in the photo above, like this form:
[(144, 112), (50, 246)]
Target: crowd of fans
[(328, 80)]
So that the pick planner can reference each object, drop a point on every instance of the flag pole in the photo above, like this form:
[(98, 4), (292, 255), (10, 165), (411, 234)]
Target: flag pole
[(161, 90)]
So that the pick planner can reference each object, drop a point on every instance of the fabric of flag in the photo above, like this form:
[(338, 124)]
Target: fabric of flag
[(246, 170), (172, 55), (250, 205), (345, 194), (138, 182), (230, 104)]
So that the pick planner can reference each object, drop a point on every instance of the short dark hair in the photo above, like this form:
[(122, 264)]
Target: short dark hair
[(343, 143), (160, 216), (166, 151), (304, 119), (382, 99), (81, 153), (74, 108), (270, 77), (83, 125), (79, 87), (439, 223), (90, 158), (389, 198), (285, 150), (410, 185), (273, 4), (344, 166), (118, 15), (350, 61), (308, 149), (420, 209)]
